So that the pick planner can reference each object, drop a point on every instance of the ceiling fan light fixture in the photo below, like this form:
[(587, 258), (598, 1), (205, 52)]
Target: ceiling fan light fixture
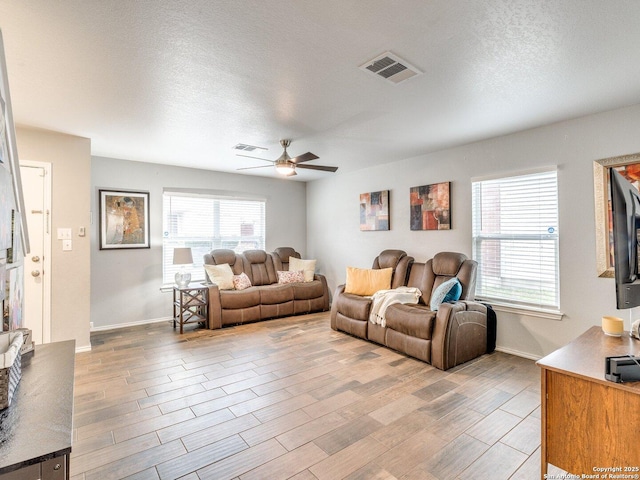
[(284, 164), (285, 168)]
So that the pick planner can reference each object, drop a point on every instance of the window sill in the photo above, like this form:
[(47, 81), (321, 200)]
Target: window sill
[(528, 311)]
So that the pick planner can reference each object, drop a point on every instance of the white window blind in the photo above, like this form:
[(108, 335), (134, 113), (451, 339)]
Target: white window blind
[(205, 223), (515, 239)]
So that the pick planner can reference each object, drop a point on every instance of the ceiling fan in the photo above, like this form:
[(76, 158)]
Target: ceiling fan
[(286, 165)]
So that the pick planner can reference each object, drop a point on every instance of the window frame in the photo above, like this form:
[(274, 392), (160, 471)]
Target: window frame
[(171, 240), (508, 302)]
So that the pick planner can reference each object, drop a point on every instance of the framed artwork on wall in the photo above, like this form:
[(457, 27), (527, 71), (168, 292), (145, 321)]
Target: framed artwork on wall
[(15, 256), (16, 294), (124, 219), (629, 167), (8, 147), (374, 211), (430, 207), (3, 279), (6, 208)]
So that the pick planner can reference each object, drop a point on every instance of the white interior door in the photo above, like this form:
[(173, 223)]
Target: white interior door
[(36, 187)]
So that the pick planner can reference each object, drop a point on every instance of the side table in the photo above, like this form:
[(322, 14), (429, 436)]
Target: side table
[(190, 304)]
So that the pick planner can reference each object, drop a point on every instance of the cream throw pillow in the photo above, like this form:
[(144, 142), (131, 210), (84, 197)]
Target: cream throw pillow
[(307, 266), (366, 282), (221, 275)]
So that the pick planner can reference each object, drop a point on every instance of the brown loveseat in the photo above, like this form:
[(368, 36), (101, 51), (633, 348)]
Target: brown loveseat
[(266, 298), (456, 333)]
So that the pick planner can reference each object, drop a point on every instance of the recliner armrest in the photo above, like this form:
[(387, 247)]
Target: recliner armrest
[(215, 308), (334, 306), (325, 288), (459, 334)]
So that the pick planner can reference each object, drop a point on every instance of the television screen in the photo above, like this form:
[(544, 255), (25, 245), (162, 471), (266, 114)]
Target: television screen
[(625, 209)]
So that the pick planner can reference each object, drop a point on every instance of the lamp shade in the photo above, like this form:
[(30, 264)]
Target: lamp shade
[(182, 256)]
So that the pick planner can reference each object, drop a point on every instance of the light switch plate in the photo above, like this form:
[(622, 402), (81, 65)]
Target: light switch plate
[(67, 245), (64, 234)]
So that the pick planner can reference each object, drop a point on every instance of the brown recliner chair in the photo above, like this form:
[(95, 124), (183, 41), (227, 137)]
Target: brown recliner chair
[(456, 333), (350, 313)]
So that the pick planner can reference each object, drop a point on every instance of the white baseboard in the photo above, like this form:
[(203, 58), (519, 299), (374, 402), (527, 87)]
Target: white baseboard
[(518, 353), (131, 324), (83, 349)]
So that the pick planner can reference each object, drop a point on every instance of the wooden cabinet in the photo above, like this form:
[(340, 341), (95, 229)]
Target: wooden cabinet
[(36, 429), (53, 469), (588, 422)]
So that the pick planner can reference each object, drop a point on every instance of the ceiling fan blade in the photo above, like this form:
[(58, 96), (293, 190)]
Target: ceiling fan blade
[(257, 158), (318, 167), (305, 157), (250, 168)]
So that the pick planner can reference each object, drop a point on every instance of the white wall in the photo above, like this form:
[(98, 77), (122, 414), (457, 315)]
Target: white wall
[(70, 159), (125, 284), (335, 240)]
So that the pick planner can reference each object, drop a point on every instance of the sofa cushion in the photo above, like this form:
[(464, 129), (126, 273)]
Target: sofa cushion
[(276, 293), (307, 266), (364, 282), (413, 320), (447, 291), (308, 290), (221, 275), (399, 261), (281, 256), (357, 328), (353, 306), (234, 299), (448, 263), (290, 277), (258, 265), (222, 255), (414, 347)]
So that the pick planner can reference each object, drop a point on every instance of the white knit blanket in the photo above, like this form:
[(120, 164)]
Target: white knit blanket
[(383, 298)]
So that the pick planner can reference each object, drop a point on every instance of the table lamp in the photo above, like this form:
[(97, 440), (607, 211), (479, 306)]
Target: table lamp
[(182, 256)]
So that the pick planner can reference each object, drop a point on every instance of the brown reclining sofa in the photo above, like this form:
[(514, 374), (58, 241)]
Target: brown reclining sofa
[(456, 333), (266, 298)]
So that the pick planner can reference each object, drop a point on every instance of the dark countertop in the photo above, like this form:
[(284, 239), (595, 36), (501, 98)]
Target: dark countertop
[(37, 425)]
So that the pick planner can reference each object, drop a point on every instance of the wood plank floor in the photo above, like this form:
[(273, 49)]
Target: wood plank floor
[(291, 398)]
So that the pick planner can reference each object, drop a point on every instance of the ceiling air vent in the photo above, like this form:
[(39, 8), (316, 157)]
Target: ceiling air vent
[(391, 68), (247, 148)]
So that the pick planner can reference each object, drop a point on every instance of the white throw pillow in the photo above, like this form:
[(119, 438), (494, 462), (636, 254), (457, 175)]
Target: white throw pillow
[(441, 291), (221, 275), (307, 266)]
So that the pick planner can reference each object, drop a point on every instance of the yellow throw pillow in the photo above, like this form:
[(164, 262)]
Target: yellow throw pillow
[(221, 275), (366, 282), (307, 266)]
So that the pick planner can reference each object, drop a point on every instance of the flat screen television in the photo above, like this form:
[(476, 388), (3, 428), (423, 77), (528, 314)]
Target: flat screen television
[(625, 207)]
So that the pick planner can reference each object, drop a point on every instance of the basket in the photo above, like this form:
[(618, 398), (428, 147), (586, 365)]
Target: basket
[(10, 365)]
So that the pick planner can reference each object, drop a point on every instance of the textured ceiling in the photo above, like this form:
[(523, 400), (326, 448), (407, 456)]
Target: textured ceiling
[(182, 82)]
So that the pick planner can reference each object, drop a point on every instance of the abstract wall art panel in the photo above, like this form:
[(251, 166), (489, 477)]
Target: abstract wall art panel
[(430, 207), (374, 211)]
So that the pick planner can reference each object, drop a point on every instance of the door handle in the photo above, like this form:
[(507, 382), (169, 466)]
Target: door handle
[(35, 258), (35, 273)]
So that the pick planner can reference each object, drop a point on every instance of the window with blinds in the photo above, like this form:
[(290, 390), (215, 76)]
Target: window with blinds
[(515, 239), (205, 223)]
